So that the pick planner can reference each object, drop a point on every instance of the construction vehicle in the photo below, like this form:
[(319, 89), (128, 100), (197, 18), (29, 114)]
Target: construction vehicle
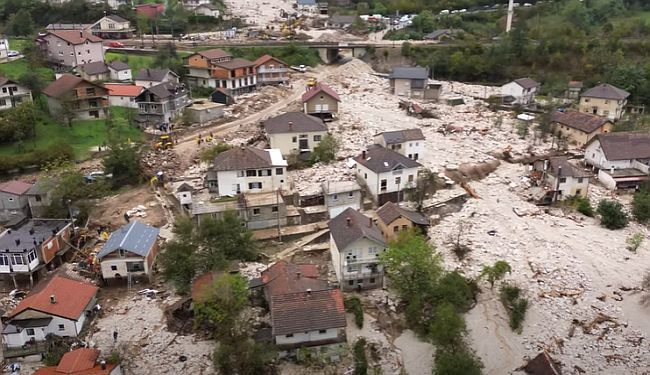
[(164, 142), (311, 82)]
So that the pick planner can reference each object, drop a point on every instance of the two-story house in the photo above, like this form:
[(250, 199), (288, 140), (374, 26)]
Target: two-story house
[(393, 219), (271, 71), (341, 195), (123, 95), (355, 245), (622, 158), (112, 27), (217, 68), (162, 103), (255, 210), (562, 178), (29, 246), (321, 101), (12, 94), (72, 93), (61, 308), (70, 48), (151, 77), (604, 100), (579, 127), (119, 71), (294, 132), (247, 170), (13, 200), (522, 89), (409, 142), (412, 82), (94, 71), (386, 173), (129, 252)]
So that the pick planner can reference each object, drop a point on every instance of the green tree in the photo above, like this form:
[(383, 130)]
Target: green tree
[(448, 327), (611, 214), (32, 80), (406, 49), (362, 8), (326, 150), (207, 155), (219, 306), (360, 360), (142, 23), (448, 362), (243, 356), (123, 162), (21, 23), (424, 22), (455, 289), (515, 305), (495, 272), (641, 205)]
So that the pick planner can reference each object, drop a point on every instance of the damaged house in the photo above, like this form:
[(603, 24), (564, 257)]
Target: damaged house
[(341, 195), (622, 159), (409, 142), (14, 201), (604, 100), (413, 82), (386, 173), (294, 132), (355, 245), (579, 127), (393, 219), (321, 101), (559, 178), (163, 102)]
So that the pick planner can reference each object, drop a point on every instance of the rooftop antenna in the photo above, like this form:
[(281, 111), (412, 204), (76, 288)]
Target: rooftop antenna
[(511, 10)]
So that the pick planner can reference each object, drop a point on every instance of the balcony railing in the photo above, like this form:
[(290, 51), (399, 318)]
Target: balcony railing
[(274, 70)]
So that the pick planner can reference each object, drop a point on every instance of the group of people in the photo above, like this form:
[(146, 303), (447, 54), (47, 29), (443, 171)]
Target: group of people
[(200, 140)]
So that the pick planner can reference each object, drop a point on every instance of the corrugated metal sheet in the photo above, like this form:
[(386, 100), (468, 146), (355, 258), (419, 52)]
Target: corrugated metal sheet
[(134, 237)]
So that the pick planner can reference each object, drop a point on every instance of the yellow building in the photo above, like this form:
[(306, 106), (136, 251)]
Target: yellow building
[(604, 100), (393, 219), (579, 127)]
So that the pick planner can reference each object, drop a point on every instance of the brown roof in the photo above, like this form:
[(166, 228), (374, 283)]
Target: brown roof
[(584, 122), (78, 360), (76, 36), (285, 278), (543, 364), (624, 145), (72, 297), (307, 311), (575, 84), (263, 59), (235, 64), (390, 212), (606, 91), (351, 225), (568, 169), (238, 158), (379, 159), (526, 83), (215, 53), (294, 122), (64, 84), (93, 68), (400, 136), (15, 187), (320, 87)]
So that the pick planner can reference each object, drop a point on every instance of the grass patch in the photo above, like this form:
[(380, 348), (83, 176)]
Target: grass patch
[(19, 44), (353, 305), (15, 69), (136, 62)]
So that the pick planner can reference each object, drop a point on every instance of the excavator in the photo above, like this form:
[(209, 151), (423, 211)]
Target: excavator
[(164, 142)]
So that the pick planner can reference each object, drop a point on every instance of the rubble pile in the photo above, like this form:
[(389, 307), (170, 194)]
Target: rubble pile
[(167, 161), (252, 270), (247, 104), (309, 181), (335, 36), (572, 273)]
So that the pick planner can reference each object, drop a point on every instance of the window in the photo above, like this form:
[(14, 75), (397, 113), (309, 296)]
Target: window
[(606, 101), (562, 180), (255, 185), (410, 156), (372, 280), (405, 227), (294, 139), (383, 184), (17, 259), (279, 171), (31, 256), (360, 281), (251, 173), (396, 228), (578, 191), (274, 208), (335, 197), (580, 180), (417, 144), (351, 194), (30, 331), (4, 261), (4, 90), (61, 327), (317, 138), (122, 253), (365, 176), (373, 251), (586, 100), (415, 156), (10, 199), (398, 180), (113, 267), (350, 282), (90, 91), (256, 211)]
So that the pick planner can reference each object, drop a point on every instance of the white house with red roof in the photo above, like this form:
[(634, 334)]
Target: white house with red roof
[(321, 101), (61, 307), (13, 199), (121, 95)]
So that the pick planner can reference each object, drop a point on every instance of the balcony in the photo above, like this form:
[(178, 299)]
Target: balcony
[(262, 70)]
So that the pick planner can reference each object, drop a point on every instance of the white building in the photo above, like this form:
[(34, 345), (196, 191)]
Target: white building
[(61, 308), (121, 95), (355, 245), (4, 48), (294, 132), (207, 10), (409, 142), (522, 89), (119, 71), (622, 158), (562, 178), (386, 173), (12, 94), (151, 77), (341, 195), (247, 170)]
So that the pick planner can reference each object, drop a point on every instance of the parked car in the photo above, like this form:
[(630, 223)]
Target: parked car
[(13, 53), (115, 44), (97, 175), (443, 12)]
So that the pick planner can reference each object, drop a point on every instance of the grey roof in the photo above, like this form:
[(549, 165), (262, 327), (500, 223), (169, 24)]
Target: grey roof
[(238, 158), (118, 65), (165, 89), (409, 72), (624, 145), (585, 122), (31, 234), (606, 91), (564, 167), (342, 19), (116, 18), (93, 68), (155, 75), (294, 122), (390, 212), (401, 136), (135, 237), (350, 226), (379, 159), (526, 83), (42, 186)]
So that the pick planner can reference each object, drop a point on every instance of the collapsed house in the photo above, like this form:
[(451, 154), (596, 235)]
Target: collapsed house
[(558, 178)]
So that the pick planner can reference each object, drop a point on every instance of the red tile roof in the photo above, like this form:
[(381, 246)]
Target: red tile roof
[(78, 360), (123, 90), (307, 311), (15, 187), (284, 278), (263, 59), (76, 36), (320, 87), (215, 53), (71, 296)]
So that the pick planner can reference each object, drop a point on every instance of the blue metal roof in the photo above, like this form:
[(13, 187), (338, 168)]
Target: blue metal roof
[(135, 237), (306, 2)]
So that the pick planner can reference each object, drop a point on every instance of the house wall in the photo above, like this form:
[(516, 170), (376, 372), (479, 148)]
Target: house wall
[(337, 203), (12, 95), (411, 149), (355, 273), (266, 218), (120, 75), (38, 204), (306, 337), (13, 203), (401, 87), (95, 77), (110, 25), (611, 109), (272, 71), (228, 179), (71, 328), (285, 141), (390, 231), (595, 156), (51, 246), (113, 260), (206, 114), (521, 95), (570, 187), (578, 137), (374, 181), (88, 52), (207, 12), (122, 101), (321, 103)]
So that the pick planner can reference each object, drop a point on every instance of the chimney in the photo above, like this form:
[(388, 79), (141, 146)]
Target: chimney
[(52, 299), (348, 222), (290, 125), (17, 241), (309, 291), (363, 154), (102, 363)]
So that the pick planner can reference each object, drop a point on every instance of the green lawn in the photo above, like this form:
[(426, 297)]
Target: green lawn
[(81, 137), (15, 69), (136, 62), (19, 44)]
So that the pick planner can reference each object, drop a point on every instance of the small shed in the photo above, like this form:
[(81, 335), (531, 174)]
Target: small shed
[(222, 96), (129, 251), (203, 111)]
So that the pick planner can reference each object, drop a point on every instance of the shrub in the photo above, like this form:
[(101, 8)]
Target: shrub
[(456, 362), (641, 205), (353, 305), (360, 361), (612, 215), (37, 158), (326, 150), (515, 305), (207, 155), (634, 241), (584, 206)]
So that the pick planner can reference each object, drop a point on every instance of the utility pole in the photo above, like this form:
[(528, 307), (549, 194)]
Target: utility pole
[(511, 11)]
